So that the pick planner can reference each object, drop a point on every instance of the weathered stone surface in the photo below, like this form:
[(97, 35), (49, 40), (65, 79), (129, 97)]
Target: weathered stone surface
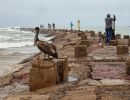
[(80, 97), (108, 70), (80, 51), (82, 93), (92, 33), (114, 82), (129, 42), (61, 70), (83, 37), (84, 82), (122, 41), (100, 34), (81, 33), (29, 97), (94, 82), (126, 36), (107, 97), (85, 42), (118, 36), (122, 49), (113, 42), (41, 63), (43, 75), (5, 79), (128, 66)]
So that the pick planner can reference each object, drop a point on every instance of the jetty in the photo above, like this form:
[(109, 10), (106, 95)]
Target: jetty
[(85, 70)]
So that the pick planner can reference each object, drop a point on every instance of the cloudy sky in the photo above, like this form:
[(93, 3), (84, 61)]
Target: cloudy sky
[(35, 12)]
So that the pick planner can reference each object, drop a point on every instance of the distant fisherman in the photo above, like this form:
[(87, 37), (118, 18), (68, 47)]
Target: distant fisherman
[(108, 28), (71, 25), (78, 25), (53, 25), (113, 28)]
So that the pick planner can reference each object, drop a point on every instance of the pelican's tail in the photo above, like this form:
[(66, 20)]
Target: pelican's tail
[(55, 55)]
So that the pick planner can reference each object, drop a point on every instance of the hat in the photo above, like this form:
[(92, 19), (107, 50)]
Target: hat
[(108, 15)]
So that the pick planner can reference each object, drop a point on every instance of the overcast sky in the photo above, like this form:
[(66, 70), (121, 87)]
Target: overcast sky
[(35, 12)]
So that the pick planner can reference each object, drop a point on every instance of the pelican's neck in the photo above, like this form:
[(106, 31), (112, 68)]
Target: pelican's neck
[(36, 36)]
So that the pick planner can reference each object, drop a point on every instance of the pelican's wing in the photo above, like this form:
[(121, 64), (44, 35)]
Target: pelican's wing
[(52, 48), (45, 47)]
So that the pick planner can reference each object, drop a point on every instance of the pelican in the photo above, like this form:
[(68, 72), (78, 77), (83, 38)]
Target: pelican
[(45, 47)]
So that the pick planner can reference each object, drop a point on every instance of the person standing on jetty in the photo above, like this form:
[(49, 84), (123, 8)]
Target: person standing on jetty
[(71, 25), (108, 27), (113, 28), (49, 26), (78, 24), (53, 25)]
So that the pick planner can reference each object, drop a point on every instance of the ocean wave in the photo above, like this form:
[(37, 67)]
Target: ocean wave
[(2, 37), (18, 44), (14, 30), (7, 29)]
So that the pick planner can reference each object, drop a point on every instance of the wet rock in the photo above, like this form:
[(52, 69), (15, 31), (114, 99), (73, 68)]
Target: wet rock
[(30, 58), (5, 80), (14, 88), (73, 79)]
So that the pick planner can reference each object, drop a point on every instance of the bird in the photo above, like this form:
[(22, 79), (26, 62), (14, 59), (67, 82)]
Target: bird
[(44, 46)]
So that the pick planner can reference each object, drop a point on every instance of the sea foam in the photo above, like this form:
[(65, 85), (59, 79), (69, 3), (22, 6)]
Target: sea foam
[(18, 44)]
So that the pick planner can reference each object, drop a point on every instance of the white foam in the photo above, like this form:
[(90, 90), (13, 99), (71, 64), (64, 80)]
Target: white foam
[(18, 44), (7, 29), (2, 37)]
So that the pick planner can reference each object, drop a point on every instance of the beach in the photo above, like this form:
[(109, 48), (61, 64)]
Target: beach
[(99, 76)]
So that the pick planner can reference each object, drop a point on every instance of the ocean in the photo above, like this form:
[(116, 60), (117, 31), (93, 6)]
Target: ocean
[(16, 45)]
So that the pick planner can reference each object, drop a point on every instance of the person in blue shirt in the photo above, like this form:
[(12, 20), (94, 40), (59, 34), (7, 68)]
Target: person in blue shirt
[(71, 25)]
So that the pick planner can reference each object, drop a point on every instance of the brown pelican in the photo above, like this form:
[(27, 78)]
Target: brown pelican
[(47, 48)]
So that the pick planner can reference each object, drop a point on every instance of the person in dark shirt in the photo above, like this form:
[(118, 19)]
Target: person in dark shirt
[(53, 25), (108, 27)]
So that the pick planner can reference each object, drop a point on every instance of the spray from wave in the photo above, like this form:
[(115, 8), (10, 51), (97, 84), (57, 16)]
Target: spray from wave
[(19, 44)]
